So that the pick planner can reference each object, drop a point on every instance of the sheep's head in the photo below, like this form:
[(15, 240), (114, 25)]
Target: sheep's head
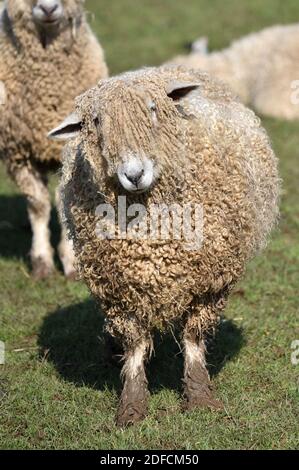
[(46, 15), (132, 129)]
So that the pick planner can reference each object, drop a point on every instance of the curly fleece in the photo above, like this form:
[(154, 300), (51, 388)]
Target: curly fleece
[(208, 149), (260, 68), (42, 82)]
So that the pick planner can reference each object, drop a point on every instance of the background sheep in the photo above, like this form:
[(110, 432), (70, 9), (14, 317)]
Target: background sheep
[(48, 55), (166, 135), (260, 68)]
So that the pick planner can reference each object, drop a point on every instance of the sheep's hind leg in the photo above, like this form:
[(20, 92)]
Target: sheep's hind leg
[(133, 402), (65, 248), (34, 186)]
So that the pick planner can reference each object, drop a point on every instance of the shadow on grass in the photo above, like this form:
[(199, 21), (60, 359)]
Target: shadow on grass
[(15, 230), (72, 339), (15, 233)]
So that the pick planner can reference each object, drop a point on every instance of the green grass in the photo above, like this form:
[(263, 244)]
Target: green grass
[(56, 389)]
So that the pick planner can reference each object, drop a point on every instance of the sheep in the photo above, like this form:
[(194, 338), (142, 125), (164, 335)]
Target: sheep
[(48, 55), (261, 68), (164, 137)]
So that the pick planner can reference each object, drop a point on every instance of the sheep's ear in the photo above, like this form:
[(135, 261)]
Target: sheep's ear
[(177, 90), (68, 129), (200, 46)]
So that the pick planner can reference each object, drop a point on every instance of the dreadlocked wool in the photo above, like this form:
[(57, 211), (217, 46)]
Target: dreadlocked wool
[(207, 149), (41, 80), (261, 68), (48, 55)]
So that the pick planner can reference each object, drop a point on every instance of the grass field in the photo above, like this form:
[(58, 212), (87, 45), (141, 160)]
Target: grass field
[(56, 391)]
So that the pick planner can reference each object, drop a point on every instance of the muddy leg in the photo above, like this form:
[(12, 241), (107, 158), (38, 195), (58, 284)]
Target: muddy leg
[(134, 397), (65, 248), (197, 384), (34, 186)]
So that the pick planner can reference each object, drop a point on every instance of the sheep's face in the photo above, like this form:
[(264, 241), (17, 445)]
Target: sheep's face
[(47, 15), (137, 130)]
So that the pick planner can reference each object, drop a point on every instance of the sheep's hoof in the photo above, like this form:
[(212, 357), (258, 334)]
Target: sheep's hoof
[(198, 390), (40, 269), (202, 402), (131, 413), (133, 402)]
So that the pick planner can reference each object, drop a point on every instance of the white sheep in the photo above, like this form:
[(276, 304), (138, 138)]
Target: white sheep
[(261, 68)]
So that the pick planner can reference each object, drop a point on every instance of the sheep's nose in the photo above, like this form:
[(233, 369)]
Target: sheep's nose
[(136, 174), (48, 9), (135, 178)]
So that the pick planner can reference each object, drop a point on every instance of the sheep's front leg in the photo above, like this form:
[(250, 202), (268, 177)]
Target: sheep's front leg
[(65, 248), (134, 397), (34, 186), (197, 384)]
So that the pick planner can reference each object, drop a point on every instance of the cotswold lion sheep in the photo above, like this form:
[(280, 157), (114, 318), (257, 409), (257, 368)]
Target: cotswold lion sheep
[(165, 136), (262, 68), (48, 55)]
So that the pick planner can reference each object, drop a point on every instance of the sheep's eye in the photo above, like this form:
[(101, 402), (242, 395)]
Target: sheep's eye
[(153, 109), (152, 106)]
